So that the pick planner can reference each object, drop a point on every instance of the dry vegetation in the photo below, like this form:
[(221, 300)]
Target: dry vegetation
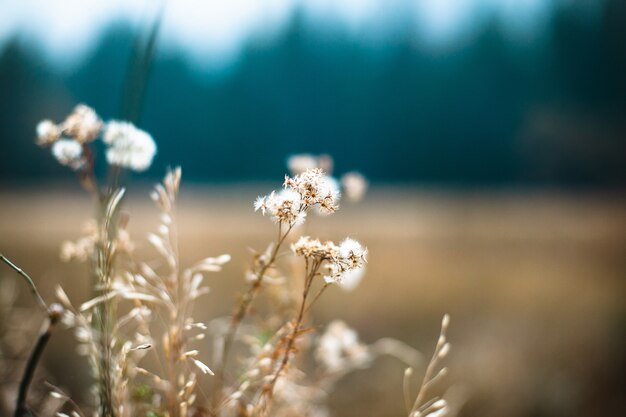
[(137, 328), (533, 283)]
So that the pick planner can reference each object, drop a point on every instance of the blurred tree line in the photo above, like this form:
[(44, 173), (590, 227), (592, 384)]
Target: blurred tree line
[(488, 110)]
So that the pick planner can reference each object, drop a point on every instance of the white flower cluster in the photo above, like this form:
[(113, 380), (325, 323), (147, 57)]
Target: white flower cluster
[(69, 153), (312, 188), (283, 207), (313, 248), (128, 146), (353, 184), (342, 261), (316, 189)]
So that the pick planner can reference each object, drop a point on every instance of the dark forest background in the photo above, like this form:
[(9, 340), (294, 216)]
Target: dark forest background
[(487, 110)]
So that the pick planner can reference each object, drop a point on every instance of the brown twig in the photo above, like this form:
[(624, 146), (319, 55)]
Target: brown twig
[(55, 313)]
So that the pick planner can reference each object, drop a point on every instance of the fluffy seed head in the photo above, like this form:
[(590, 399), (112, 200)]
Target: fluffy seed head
[(283, 207), (353, 252), (129, 147), (351, 256), (47, 132), (69, 153), (315, 189)]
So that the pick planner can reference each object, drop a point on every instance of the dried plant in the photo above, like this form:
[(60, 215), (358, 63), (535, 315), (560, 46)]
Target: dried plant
[(268, 361), (53, 315)]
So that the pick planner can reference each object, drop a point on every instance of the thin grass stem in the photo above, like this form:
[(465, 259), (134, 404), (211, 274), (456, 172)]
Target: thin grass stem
[(29, 281)]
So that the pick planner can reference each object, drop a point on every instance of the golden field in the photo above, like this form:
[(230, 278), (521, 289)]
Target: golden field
[(533, 280)]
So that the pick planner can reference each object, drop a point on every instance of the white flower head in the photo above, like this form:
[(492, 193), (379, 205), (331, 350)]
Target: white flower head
[(316, 189), (353, 251), (69, 153), (47, 132), (129, 147), (329, 195), (351, 279), (351, 256), (261, 204), (283, 207)]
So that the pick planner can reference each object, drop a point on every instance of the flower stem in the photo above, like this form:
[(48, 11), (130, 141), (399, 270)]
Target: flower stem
[(268, 390), (239, 315)]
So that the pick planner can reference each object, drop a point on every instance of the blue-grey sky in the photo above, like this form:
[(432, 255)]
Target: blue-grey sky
[(211, 32)]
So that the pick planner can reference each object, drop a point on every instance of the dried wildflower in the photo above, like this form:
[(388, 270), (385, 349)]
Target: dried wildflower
[(351, 279), (47, 132), (129, 146), (283, 207), (310, 189), (344, 263), (315, 188), (270, 382), (330, 193), (261, 204), (353, 253), (83, 124), (69, 153), (354, 186), (313, 248), (351, 256)]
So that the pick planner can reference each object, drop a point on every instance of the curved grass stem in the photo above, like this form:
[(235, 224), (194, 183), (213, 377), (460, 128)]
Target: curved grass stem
[(29, 281)]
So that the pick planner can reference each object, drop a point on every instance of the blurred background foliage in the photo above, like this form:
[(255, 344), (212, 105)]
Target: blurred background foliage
[(487, 108)]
